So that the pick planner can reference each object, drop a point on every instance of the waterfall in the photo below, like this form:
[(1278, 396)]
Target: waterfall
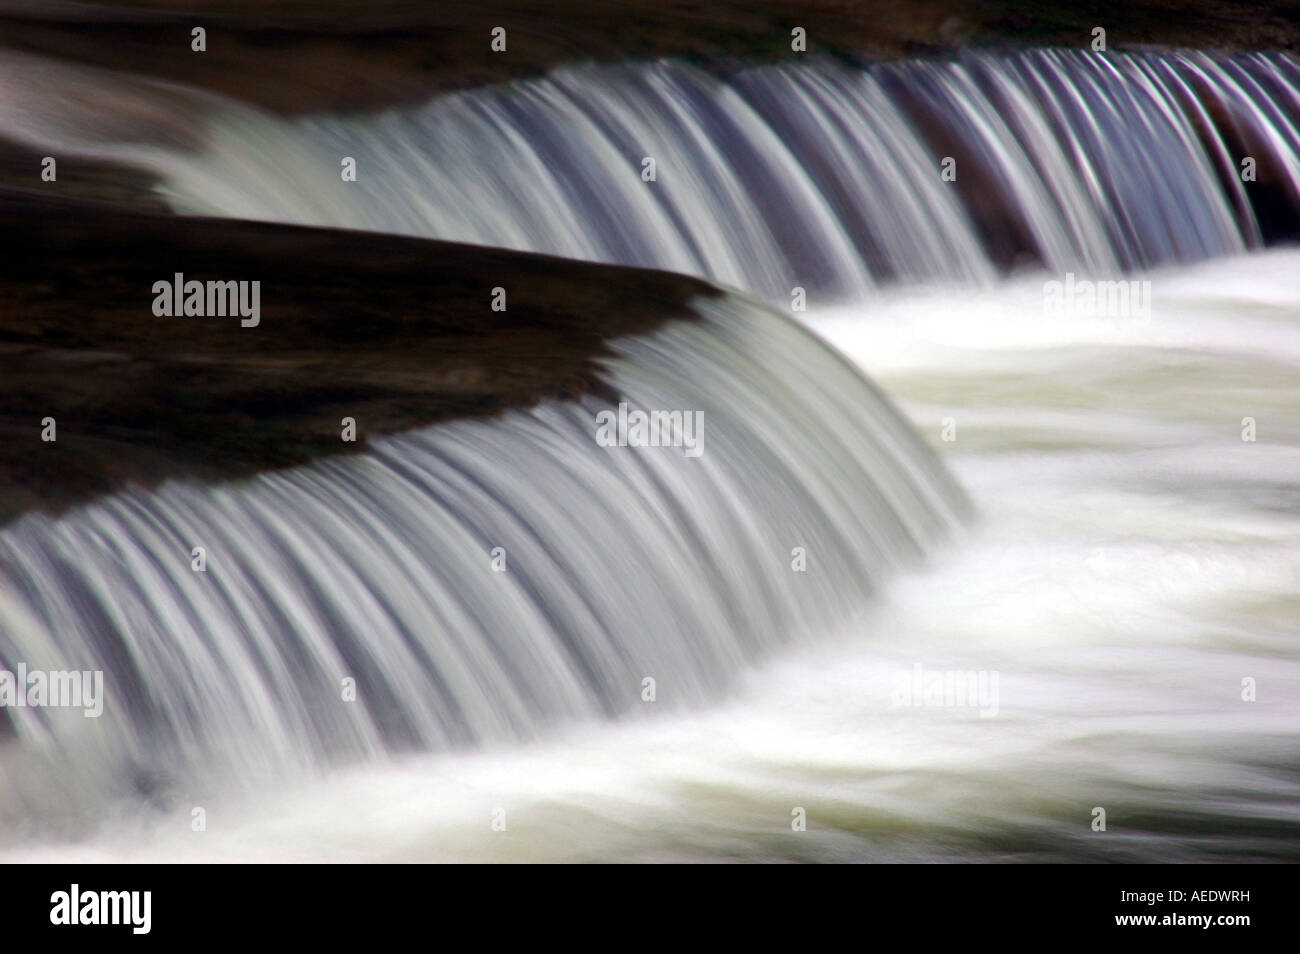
[(486, 581), (616, 564), (821, 176)]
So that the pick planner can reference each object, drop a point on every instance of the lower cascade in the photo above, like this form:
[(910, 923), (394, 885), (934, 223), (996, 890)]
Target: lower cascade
[(475, 581)]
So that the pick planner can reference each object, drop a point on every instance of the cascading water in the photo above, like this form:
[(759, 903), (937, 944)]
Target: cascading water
[(615, 564), (1135, 566), (822, 176)]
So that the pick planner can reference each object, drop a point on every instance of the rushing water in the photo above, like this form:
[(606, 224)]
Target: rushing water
[(477, 581), (1133, 561), (822, 177), (1131, 566)]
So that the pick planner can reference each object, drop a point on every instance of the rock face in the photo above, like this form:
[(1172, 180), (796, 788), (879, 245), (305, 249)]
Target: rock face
[(293, 56), (392, 332)]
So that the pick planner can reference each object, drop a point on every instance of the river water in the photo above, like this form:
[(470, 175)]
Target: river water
[(1132, 561)]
